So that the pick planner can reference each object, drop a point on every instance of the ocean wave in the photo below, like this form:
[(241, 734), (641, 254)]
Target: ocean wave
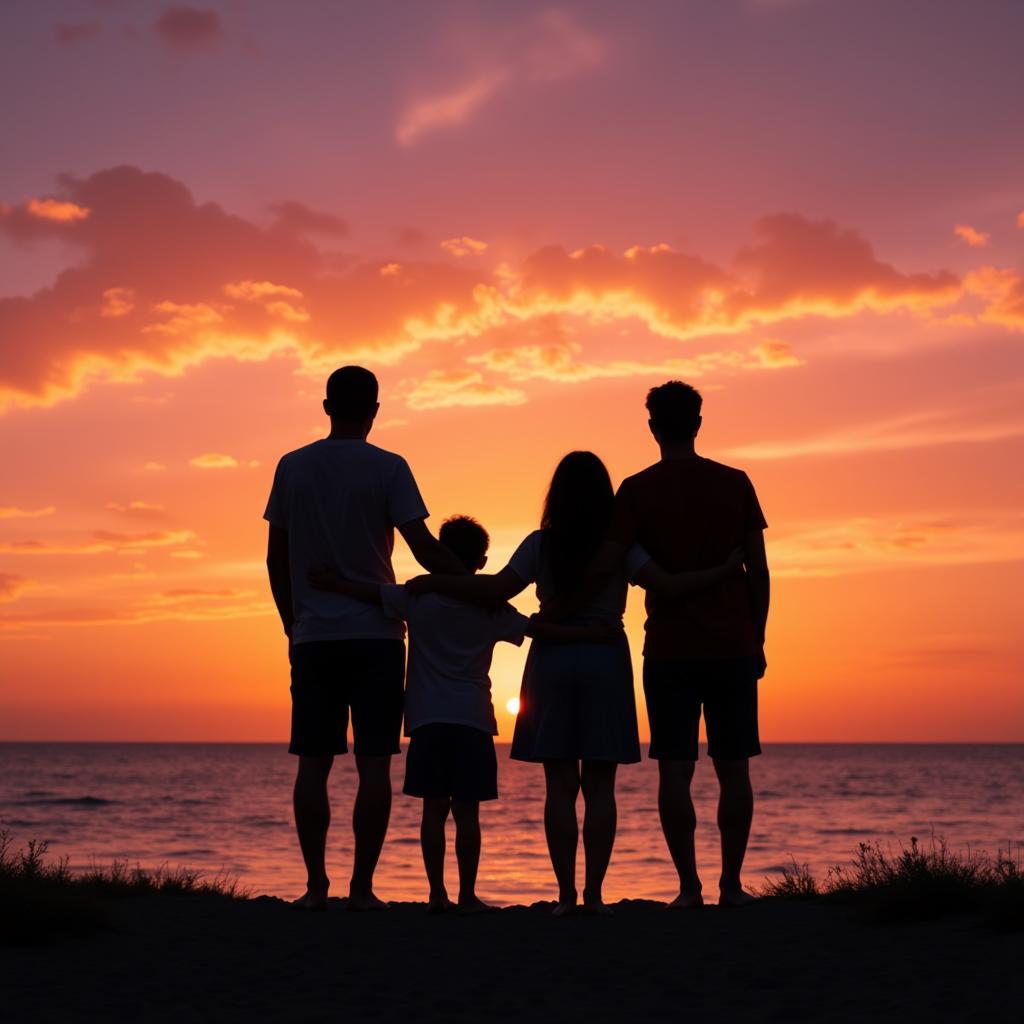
[(846, 831), (64, 801)]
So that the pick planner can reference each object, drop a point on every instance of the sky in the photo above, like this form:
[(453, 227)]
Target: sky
[(521, 217)]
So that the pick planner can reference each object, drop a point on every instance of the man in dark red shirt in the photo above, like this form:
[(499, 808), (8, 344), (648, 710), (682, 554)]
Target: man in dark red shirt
[(705, 650)]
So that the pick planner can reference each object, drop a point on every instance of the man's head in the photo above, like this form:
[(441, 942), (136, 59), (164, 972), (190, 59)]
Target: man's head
[(674, 411), (465, 537), (352, 397)]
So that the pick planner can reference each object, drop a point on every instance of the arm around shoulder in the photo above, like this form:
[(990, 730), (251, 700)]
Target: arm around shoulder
[(428, 550)]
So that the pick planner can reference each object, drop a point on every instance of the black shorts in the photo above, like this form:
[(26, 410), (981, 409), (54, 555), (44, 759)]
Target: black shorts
[(331, 676), (727, 689), (456, 761)]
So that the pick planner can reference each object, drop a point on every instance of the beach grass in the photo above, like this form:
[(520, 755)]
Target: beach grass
[(924, 881), (42, 899)]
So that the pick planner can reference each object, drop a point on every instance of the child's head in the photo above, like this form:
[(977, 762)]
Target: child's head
[(466, 538)]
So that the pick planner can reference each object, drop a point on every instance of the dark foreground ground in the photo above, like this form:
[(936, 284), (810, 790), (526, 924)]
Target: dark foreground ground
[(199, 958)]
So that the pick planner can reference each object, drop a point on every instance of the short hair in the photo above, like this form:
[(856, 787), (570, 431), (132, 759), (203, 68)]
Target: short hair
[(351, 393), (674, 408), (466, 538)]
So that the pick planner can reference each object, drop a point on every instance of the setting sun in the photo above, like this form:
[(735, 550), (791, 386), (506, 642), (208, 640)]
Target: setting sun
[(512, 705)]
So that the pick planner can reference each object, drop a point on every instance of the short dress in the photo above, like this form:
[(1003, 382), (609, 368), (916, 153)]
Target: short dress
[(576, 702)]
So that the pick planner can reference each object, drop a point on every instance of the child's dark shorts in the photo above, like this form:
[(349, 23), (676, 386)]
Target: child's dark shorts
[(455, 761)]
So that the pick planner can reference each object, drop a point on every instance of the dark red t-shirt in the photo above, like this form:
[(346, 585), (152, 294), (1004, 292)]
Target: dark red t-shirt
[(689, 514)]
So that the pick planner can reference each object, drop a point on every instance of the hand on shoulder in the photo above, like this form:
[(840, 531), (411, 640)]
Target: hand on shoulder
[(420, 585)]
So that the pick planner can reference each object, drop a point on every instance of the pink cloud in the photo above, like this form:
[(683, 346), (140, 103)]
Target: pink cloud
[(298, 218), (200, 283), (971, 236), (550, 46), (67, 33), (185, 27)]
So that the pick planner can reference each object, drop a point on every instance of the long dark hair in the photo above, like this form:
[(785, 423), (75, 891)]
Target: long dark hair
[(577, 511)]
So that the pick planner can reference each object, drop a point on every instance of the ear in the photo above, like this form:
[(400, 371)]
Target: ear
[(483, 562), (327, 408), (653, 429), (376, 409), (696, 429)]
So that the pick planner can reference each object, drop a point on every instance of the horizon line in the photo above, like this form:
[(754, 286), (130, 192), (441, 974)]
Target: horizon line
[(508, 743)]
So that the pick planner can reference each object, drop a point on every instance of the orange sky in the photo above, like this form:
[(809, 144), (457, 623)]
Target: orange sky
[(521, 219)]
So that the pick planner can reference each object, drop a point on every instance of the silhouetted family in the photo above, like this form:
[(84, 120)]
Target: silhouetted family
[(687, 529)]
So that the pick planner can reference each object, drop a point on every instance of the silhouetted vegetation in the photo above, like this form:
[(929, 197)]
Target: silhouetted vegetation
[(42, 899), (916, 884)]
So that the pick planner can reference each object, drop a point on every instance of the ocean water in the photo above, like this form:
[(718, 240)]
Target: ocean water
[(226, 808)]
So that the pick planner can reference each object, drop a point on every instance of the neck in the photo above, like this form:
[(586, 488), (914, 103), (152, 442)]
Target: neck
[(672, 450), (341, 431)]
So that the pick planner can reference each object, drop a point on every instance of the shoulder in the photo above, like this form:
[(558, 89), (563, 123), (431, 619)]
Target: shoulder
[(391, 461), (297, 458), (530, 544), (639, 480), (731, 473)]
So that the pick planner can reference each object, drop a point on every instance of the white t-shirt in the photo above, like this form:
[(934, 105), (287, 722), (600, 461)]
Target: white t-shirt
[(608, 605), (340, 502), (450, 649)]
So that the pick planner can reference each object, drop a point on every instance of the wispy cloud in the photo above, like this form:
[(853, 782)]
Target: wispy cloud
[(11, 586), (919, 430), (871, 544), (442, 389), (186, 28), (464, 246), (558, 361), (213, 460), (14, 512), (176, 605), (135, 508), (101, 542), (56, 211), (69, 32), (971, 236), (551, 46)]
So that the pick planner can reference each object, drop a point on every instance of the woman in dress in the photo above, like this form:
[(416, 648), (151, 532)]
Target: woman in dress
[(577, 709)]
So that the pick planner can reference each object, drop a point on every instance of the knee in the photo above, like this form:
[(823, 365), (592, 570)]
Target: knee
[(733, 774), (598, 781), (435, 809), (563, 790), (314, 770), (676, 774), (374, 771), (466, 813)]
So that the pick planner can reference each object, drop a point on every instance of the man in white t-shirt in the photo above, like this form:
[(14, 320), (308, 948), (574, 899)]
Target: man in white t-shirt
[(337, 503)]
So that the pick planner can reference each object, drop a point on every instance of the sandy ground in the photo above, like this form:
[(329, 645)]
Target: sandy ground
[(197, 959)]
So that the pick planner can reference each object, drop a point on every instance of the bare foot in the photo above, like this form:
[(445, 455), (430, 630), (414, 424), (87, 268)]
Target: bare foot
[(735, 898), (474, 905), (564, 909), (364, 902), (687, 901), (596, 908), (313, 899), (439, 904)]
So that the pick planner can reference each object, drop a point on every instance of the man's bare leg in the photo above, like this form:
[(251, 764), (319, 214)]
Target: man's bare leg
[(370, 818), (679, 822), (562, 779), (599, 820), (735, 813), (467, 851), (312, 820), (432, 842)]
